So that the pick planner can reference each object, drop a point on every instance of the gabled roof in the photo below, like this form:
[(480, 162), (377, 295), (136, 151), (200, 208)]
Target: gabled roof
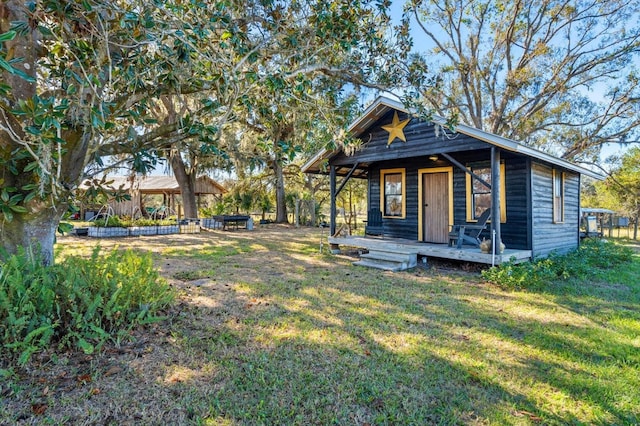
[(382, 105), (160, 184)]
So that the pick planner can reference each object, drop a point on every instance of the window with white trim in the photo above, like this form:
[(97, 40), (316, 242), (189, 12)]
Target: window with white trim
[(558, 196)]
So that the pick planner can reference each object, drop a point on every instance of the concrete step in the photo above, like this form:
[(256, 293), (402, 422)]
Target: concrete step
[(380, 264), (410, 259), (388, 260)]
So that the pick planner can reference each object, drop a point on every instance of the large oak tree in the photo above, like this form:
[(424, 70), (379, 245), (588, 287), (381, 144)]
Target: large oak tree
[(85, 80), (554, 73), (307, 52)]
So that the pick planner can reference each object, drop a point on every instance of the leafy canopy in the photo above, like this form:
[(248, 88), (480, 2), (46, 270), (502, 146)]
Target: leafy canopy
[(556, 74), (102, 78)]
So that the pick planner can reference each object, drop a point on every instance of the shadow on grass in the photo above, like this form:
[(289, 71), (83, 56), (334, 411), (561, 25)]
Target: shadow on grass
[(324, 342), (280, 335)]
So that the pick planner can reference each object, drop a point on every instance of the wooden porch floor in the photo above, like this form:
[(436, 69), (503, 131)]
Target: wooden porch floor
[(442, 251)]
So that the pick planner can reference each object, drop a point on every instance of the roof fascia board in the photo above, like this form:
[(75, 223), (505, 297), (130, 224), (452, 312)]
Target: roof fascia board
[(499, 141), (511, 145)]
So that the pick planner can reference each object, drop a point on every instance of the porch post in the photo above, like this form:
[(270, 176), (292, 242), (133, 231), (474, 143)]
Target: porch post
[(332, 211), (495, 194)]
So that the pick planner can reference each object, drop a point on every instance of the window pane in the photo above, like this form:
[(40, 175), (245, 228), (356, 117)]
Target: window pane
[(557, 217), (392, 194), (480, 193), (393, 184), (485, 174), (393, 205), (557, 185), (481, 202), (558, 197)]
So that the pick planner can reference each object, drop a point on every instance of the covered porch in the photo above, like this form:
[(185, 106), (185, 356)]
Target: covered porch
[(440, 251), (428, 187)]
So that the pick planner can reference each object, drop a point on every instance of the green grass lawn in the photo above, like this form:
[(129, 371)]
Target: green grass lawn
[(269, 331)]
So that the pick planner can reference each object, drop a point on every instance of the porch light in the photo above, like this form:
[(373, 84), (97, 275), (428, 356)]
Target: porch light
[(433, 157)]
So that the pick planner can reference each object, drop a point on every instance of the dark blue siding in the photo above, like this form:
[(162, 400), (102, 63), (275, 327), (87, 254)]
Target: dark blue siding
[(515, 232), (529, 193), (421, 141), (549, 236)]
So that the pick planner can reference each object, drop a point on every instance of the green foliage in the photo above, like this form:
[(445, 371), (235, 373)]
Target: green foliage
[(220, 207), (108, 222), (144, 222), (65, 227), (206, 212), (111, 221), (79, 303), (151, 222), (265, 203), (592, 256), (621, 190), (523, 45), (10, 202)]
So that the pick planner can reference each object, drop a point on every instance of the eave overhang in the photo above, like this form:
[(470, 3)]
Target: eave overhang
[(379, 107)]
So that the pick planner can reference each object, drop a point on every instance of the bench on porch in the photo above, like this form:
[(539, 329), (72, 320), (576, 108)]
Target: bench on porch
[(374, 223), (469, 234)]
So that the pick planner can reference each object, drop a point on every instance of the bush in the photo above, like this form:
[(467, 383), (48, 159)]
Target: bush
[(111, 221), (78, 303), (592, 255), (153, 222), (144, 222)]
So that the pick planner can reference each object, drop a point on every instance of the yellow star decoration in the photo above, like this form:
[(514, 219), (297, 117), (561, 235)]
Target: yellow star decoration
[(395, 129)]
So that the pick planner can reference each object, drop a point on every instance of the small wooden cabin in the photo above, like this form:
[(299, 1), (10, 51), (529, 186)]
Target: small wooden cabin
[(425, 178)]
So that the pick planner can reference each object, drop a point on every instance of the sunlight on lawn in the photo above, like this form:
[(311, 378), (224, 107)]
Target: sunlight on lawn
[(530, 308), (270, 331)]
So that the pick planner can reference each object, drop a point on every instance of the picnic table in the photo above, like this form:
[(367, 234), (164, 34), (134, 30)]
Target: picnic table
[(233, 221)]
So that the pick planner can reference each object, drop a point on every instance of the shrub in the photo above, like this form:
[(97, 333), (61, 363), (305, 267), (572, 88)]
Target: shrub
[(152, 222), (111, 221), (78, 303), (592, 255), (144, 222)]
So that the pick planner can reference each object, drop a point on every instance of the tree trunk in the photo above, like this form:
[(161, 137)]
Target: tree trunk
[(35, 232), (187, 183), (281, 202), (308, 183), (312, 212)]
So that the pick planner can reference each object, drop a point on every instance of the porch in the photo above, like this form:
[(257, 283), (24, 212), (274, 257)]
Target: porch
[(441, 251)]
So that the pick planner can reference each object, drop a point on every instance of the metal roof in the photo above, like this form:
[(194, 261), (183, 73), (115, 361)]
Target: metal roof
[(595, 210), (159, 184), (382, 105)]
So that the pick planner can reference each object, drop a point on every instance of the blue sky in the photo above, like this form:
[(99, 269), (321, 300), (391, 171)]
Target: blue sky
[(421, 44)]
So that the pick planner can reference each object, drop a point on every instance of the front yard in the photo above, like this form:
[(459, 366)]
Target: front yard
[(269, 331)]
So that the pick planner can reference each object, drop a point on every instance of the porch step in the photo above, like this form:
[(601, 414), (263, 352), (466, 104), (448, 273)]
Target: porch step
[(389, 260), (409, 259), (380, 264)]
